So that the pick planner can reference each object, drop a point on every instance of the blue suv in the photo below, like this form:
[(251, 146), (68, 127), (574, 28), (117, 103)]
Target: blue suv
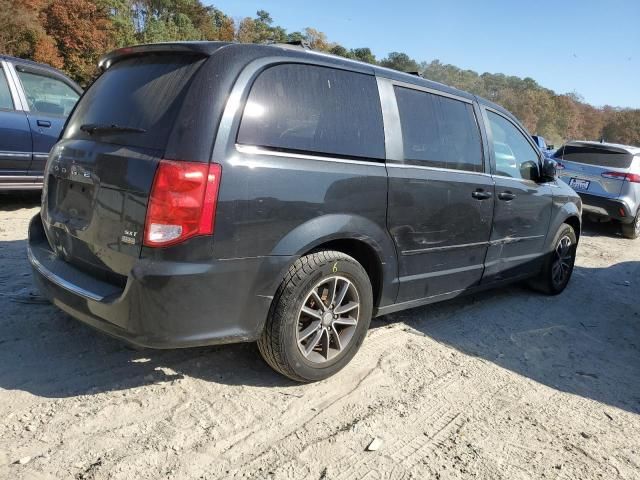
[(35, 101)]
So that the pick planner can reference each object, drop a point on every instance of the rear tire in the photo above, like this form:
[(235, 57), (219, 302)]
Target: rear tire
[(558, 266), (632, 230), (319, 317)]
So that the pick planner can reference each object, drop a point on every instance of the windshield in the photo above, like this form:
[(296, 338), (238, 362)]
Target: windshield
[(142, 94)]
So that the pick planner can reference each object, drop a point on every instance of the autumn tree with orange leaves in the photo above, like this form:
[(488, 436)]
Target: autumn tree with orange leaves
[(73, 34), (82, 31)]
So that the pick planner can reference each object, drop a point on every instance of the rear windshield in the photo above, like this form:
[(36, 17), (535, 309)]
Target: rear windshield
[(139, 93), (594, 156)]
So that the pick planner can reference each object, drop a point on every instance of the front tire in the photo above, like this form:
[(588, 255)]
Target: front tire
[(319, 317), (632, 230), (558, 266)]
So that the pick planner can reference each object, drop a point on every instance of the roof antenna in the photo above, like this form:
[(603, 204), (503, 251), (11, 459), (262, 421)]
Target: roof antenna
[(417, 74)]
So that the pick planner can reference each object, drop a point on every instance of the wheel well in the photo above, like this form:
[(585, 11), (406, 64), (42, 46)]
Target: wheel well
[(365, 256), (575, 224)]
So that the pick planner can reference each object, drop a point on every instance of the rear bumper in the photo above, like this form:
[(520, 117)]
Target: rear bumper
[(164, 304), (607, 207)]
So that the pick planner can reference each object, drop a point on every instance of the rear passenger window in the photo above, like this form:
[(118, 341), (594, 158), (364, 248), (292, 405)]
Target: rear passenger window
[(439, 131), (6, 102), (307, 108)]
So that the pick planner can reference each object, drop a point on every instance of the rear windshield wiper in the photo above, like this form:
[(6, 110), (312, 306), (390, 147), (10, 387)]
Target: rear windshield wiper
[(92, 128)]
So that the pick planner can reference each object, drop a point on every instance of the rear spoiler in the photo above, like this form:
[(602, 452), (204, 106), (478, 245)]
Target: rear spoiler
[(605, 147), (204, 49)]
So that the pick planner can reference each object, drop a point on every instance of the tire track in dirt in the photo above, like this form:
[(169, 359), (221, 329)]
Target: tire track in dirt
[(438, 419)]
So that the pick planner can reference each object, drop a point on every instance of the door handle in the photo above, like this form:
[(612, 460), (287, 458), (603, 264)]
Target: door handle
[(506, 196), (481, 194), (44, 123)]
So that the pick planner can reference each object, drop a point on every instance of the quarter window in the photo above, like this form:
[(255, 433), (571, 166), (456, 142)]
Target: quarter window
[(6, 102), (47, 95), (307, 108), (439, 131), (515, 157)]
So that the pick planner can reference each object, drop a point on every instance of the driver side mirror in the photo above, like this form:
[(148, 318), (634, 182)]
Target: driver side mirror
[(549, 169), (529, 170), (550, 147)]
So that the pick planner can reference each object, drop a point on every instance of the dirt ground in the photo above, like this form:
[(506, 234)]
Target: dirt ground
[(505, 385)]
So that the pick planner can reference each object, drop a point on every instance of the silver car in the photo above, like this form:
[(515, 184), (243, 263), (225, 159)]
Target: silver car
[(607, 177)]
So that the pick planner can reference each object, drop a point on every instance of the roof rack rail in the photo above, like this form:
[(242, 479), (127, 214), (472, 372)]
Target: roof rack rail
[(417, 74), (294, 43), (299, 43)]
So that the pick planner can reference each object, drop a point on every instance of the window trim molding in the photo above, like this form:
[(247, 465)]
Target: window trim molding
[(439, 169), (261, 150)]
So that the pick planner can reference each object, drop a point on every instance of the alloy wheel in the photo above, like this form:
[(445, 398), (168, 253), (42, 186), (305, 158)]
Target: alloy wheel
[(563, 261), (328, 319)]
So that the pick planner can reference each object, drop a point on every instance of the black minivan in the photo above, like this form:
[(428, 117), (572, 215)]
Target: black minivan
[(207, 193)]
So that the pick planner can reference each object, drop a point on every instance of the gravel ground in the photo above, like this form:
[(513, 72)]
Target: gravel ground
[(505, 385)]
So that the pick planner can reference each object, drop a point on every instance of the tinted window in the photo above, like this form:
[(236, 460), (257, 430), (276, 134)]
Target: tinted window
[(314, 109), (141, 92), (439, 131), (515, 157), (47, 95), (6, 102), (594, 156)]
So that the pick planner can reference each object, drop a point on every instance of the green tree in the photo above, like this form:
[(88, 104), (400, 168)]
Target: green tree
[(363, 54), (295, 37), (400, 61), (340, 51), (122, 21), (260, 29)]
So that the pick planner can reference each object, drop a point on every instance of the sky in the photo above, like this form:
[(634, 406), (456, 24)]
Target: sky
[(589, 47)]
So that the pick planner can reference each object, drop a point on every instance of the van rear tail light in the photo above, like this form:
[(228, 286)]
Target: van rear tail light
[(629, 177), (182, 203)]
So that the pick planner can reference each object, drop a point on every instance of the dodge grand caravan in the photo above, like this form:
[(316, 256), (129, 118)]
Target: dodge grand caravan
[(209, 193)]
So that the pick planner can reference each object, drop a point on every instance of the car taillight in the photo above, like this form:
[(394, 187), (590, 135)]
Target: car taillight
[(182, 203), (629, 177), (633, 177)]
